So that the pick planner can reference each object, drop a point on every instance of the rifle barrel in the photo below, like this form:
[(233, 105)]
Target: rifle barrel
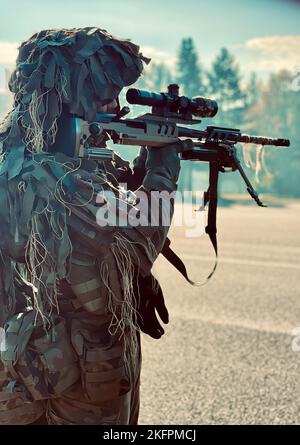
[(223, 134), (262, 140)]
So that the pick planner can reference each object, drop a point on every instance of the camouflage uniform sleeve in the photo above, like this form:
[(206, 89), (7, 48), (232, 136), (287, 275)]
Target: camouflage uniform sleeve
[(159, 184)]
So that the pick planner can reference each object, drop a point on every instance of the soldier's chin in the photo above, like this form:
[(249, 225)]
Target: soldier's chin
[(110, 108)]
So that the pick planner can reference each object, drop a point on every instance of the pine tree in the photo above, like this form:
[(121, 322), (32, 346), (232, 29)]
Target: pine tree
[(224, 86), (156, 78), (277, 114), (252, 91), (189, 72), (159, 77), (253, 95), (190, 80)]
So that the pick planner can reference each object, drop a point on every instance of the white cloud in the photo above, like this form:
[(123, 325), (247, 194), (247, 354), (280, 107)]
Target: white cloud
[(5, 74), (159, 56), (8, 53), (273, 53)]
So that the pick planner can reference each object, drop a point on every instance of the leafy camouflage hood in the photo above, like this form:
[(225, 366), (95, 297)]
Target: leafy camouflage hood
[(73, 67)]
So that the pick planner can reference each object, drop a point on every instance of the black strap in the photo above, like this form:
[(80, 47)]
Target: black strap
[(211, 197), (174, 259), (211, 228)]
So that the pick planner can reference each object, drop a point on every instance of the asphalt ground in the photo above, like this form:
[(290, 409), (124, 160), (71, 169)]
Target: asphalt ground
[(227, 355)]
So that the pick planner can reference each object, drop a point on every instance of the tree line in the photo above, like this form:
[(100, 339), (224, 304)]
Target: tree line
[(269, 108)]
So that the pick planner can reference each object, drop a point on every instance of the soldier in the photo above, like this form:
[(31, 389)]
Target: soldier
[(74, 295)]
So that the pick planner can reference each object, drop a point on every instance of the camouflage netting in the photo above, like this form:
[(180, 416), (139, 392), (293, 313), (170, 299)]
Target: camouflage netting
[(78, 68), (74, 67), (51, 234)]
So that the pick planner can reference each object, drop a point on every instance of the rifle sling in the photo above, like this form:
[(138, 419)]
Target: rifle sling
[(211, 197)]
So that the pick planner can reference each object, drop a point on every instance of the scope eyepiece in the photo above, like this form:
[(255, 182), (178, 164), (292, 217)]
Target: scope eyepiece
[(173, 103), (141, 97)]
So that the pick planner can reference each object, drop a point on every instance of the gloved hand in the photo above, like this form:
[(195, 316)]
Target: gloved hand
[(140, 161), (121, 170), (139, 169), (151, 304), (163, 166)]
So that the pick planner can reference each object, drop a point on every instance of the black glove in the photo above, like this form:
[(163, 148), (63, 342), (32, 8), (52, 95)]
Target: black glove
[(122, 171), (150, 304), (138, 164), (139, 169), (163, 165)]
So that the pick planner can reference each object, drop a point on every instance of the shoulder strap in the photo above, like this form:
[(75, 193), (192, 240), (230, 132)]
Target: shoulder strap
[(211, 196)]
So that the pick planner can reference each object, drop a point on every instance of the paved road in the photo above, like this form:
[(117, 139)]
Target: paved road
[(227, 354)]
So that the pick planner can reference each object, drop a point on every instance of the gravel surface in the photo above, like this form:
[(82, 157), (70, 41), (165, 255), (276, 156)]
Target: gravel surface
[(227, 357)]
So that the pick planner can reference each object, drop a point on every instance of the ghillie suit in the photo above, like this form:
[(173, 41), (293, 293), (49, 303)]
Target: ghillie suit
[(73, 294)]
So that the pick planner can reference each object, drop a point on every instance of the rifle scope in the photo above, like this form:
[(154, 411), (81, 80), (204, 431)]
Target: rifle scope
[(171, 101)]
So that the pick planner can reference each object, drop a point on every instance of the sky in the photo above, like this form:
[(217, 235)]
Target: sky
[(263, 35)]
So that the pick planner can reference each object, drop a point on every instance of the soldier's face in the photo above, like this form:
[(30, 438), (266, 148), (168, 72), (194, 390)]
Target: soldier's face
[(111, 108)]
